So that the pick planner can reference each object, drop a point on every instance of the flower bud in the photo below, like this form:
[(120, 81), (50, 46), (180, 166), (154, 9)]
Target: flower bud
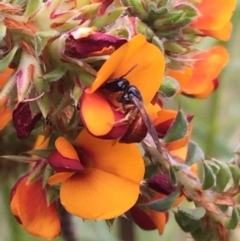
[(161, 184)]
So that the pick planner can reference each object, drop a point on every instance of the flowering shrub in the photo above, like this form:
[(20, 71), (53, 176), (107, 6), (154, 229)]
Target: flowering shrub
[(88, 81)]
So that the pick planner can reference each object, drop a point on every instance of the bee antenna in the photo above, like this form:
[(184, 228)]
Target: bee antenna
[(134, 66)]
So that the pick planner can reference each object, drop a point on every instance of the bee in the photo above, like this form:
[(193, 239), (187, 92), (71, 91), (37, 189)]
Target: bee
[(137, 116)]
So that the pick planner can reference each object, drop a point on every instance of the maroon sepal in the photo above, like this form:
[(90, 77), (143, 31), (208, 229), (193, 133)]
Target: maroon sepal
[(62, 164), (87, 46), (161, 184), (142, 219), (163, 127), (23, 121)]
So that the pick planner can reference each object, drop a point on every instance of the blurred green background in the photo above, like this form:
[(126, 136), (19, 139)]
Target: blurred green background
[(216, 130)]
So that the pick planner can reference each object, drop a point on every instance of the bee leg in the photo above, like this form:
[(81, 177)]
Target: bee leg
[(130, 116)]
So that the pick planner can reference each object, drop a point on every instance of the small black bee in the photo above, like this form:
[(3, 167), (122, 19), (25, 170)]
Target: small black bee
[(131, 96)]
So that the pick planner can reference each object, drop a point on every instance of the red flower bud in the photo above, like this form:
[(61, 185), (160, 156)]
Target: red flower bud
[(161, 184)]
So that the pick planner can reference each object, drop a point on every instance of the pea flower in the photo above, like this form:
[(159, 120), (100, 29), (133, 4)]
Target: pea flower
[(31, 209), (98, 180), (214, 18), (200, 80), (142, 63)]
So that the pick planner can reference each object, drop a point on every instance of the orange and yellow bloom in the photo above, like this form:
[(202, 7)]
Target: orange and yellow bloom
[(98, 174), (214, 18), (144, 65), (200, 80), (29, 206)]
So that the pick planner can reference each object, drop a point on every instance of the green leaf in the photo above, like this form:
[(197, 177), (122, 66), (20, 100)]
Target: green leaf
[(40, 153), (187, 220), (42, 38), (108, 18), (44, 105), (171, 18), (52, 195), (194, 153), (48, 171), (164, 204), (223, 176), (31, 7), (233, 222), (21, 159), (169, 86), (178, 167), (208, 177), (193, 214), (173, 176), (36, 171), (55, 75), (178, 129), (4, 63), (235, 170)]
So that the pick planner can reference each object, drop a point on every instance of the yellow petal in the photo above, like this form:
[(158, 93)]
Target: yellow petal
[(96, 113), (98, 194), (65, 148), (119, 159), (146, 61)]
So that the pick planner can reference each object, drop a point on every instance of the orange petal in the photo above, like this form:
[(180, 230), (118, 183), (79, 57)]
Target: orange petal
[(59, 177), (37, 217), (96, 113), (119, 159), (182, 76), (41, 142), (181, 153), (65, 148), (214, 14), (222, 34), (6, 116), (207, 67), (159, 219), (98, 194), (112, 64), (153, 110), (4, 76), (147, 61)]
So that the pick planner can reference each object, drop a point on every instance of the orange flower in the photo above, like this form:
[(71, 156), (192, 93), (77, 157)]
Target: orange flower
[(103, 178), (214, 18), (5, 113), (142, 63), (29, 206), (200, 80)]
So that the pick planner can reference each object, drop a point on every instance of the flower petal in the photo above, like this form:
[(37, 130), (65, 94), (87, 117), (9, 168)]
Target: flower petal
[(207, 68), (142, 219), (222, 34), (37, 217), (98, 194), (214, 14), (62, 164), (159, 219), (65, 148), (119, 160), (146, 61), (59, 177), (107, 70), (94, 107), (6, 116)]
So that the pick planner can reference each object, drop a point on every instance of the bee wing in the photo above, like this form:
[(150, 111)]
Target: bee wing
[(148, 122)]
